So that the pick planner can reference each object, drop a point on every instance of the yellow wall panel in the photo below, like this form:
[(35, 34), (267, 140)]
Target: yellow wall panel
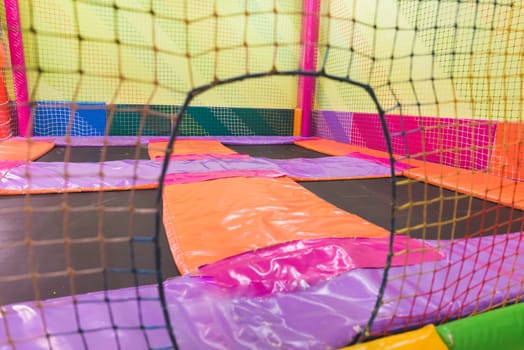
[(159, 50), (453, 71)]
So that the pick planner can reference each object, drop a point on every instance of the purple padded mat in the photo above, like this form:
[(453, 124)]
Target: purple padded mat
[(126, 173), (314, 168), (99, 141), (244, 140), (71, 176), (477, 273)]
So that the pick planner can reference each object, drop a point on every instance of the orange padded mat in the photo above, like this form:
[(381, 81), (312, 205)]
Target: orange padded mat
[(182, 147), (489, 186), (212, 220), (507, 157), (482, 185), (24, 150), (334, 148)]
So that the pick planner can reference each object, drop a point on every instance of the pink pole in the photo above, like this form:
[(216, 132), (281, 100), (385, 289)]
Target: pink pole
[(16, 47), (306, 85)]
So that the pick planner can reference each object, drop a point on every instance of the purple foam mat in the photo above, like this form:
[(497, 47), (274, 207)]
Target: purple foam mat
[(314, 168), (99, 141), (128, 173), (244, 140), (335, 167), (333, 125), (476, 274), (71, 176), (95, 141)]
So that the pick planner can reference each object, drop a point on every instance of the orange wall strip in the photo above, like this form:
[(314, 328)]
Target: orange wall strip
[(507, 157)]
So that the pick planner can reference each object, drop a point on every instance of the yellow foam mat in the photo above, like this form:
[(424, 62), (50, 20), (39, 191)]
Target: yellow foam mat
[(425, 338)]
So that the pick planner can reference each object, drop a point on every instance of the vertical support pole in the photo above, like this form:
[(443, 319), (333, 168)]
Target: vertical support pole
[(5, 116), (16, 48), (306, 85)]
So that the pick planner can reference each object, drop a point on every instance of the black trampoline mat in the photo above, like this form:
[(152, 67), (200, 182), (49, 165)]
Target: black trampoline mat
[(89, 215), (113, 218), (464, 217), (94, 154), (277, 151)]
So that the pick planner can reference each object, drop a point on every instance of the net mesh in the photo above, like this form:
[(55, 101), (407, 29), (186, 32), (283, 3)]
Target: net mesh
[(445, 74), (436, 84)]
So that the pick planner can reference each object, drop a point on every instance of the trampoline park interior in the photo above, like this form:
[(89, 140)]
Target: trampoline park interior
[(234, 174)]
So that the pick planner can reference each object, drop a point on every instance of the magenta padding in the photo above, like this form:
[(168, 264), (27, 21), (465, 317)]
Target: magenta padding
[(475, 275), (182, 178), (405, 133), (16, 49), (298, 265), (333, 125), (9, 164), (308, 61), (460, 143)]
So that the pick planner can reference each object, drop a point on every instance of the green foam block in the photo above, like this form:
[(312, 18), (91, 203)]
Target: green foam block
[(501, 329)]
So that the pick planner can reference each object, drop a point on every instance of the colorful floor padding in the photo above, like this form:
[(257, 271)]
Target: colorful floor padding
[(268, 264), (192, 160)]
